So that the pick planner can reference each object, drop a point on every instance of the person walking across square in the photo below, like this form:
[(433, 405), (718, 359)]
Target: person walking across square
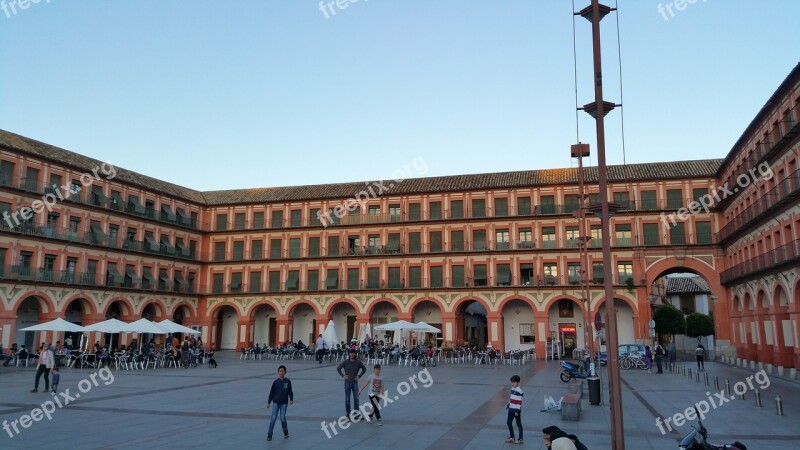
[(56, 379), (514, 408), (375, 393), (700, 352), (281, 395), (46, 362), (351, 370), (320, 348)]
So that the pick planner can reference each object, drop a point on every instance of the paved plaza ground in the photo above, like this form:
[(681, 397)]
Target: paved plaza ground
[(463, 407)]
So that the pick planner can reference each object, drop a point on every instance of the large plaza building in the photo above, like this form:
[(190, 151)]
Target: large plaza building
[(486, 257)]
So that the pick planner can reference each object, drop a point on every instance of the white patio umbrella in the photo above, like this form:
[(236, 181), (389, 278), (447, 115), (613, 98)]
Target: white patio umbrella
[(364, 331), (144, 326), (56, 325), (402, 326), (111, 326), (330, 335), (430, 328), (172, 327)]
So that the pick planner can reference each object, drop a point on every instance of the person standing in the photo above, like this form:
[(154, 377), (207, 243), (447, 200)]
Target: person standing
[(700, 352), (659, 357), (514, 408), (46, 362), (648, 358), (320, 348), (375, 393), (56, 380), (281, 395), (673, 354), (351, 370)]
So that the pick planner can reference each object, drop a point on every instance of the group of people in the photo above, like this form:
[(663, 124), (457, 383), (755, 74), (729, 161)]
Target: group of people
[(660, 354), (351, 370)]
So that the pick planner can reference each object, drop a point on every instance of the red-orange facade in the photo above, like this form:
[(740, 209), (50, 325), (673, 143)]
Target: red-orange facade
[(486, 258)]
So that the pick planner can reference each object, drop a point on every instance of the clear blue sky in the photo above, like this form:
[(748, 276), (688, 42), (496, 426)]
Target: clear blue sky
[(251, 93)]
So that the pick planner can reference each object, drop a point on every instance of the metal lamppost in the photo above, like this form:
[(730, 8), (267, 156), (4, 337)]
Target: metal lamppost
[(598, 109)]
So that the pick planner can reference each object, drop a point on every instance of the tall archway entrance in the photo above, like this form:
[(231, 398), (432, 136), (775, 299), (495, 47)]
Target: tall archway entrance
[(472, 324), (227, 333)]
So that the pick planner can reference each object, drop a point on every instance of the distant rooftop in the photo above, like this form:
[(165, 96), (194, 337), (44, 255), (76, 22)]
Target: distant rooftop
[(687, 285)]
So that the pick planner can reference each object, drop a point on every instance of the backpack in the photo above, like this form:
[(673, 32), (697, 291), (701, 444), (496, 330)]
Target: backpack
[(659, 350), (699, 351)]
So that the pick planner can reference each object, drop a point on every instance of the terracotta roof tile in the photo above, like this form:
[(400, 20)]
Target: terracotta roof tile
[(485, 181), (87, 164), (687, 285), (500, 180)]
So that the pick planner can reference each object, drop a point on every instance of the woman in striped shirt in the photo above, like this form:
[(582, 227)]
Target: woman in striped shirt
[(514, 407)]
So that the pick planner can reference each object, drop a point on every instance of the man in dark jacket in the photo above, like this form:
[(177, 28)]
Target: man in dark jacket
[(281, 395), (353, 370)]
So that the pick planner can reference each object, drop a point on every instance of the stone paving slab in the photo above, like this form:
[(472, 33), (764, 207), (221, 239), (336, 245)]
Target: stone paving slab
[(464, 408)]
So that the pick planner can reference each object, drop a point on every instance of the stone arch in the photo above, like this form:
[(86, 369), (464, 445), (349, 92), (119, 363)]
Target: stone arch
[(187, 306), (85, 301), (391, 301), (458, 303), (256, 305), (46, 304), (159, 309), (215, 309), (574, 299), (779, 295), (512, 297), (762, 300), (668, 266), (629, 302), (329, 309), (303, 301), (424, 298), (472, 329), (126, 308)]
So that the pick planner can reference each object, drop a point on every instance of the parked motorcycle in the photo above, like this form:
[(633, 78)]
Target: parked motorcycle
[(697, 440), (570, 371)]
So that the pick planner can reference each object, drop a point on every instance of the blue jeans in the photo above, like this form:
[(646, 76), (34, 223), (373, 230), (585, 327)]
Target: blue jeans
[(350, 386), (278, 408)]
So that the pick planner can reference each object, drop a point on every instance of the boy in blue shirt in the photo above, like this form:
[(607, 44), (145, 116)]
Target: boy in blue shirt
[(56, 379), (281, 394)]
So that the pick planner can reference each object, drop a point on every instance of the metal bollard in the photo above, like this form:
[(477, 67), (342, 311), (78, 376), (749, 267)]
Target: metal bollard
[(684, 371), (779, 404), (741, 396), (697, 376), (727, 387), (690, 373), (758, 397), (716, 383), (706, 378)]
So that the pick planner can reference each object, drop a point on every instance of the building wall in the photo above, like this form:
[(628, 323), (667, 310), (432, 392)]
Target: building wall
[(245, 255)]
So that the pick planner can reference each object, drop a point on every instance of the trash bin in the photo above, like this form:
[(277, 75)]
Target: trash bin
[(594, 390)]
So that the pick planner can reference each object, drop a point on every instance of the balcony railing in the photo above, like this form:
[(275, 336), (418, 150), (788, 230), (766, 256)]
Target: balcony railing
[(775, 140), (772, 260), (88, 197), (41, 275), (411, 283), (780, 194), (90, 237)]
